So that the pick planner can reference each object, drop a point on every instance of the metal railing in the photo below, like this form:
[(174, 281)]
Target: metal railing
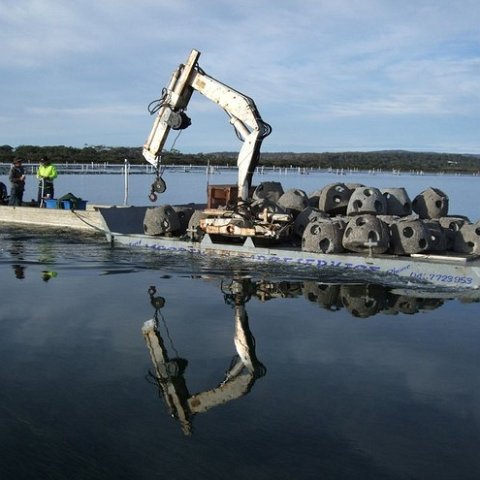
[(147, 169)]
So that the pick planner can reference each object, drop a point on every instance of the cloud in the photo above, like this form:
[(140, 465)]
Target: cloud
[(34, 32), (301, 61), (86, 111), (394, 105)]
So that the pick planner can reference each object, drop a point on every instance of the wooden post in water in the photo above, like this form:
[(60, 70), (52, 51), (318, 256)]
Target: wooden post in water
[(125, 192)]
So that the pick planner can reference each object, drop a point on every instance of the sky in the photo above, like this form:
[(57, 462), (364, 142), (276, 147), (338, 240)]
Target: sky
[(327, 75)]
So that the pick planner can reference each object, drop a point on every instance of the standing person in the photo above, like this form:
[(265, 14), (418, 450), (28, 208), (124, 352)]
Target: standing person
[(46, 173), (17, 181)]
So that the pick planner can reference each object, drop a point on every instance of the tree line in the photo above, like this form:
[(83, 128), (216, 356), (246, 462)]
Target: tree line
[(387, 160)]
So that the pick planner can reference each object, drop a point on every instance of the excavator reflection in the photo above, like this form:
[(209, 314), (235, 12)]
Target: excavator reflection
[(359, 300), (243, 372)]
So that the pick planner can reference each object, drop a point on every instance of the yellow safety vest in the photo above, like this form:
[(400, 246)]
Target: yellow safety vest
[(48, 172)]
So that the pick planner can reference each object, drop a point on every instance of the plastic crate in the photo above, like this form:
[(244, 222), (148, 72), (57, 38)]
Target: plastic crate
[(51, 203), (78, 205)]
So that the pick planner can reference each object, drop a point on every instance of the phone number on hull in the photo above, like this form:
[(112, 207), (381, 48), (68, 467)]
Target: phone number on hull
[(442, 278)]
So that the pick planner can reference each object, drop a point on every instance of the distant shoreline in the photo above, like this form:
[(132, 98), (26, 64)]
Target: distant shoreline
[(385, 160)]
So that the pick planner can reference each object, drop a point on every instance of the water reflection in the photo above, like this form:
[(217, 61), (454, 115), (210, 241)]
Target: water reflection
[(47, 275), (244, 370), (366, 300), (360, 300), (19, 271)]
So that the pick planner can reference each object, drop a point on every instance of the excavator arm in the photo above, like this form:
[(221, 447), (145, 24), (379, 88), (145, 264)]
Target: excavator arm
[(243, 113)]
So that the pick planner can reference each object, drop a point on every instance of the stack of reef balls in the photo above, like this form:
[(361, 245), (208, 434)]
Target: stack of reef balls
[(352, 217)]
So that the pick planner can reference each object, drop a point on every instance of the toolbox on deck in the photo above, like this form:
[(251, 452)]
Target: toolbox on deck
[(223, 196)]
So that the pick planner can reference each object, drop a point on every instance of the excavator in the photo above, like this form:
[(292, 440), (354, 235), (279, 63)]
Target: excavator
[(245, 118)]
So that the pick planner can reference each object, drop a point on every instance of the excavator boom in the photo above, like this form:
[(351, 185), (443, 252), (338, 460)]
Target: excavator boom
[(243, 113)]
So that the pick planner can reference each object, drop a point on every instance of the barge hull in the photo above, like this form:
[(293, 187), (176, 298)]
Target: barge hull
[(84, 220), (446, 270)]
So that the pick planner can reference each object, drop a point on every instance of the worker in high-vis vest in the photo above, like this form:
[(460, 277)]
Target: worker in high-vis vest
[(46, 173)]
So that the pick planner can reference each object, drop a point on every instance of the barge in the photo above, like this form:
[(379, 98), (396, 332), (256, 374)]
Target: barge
[(124, 227)]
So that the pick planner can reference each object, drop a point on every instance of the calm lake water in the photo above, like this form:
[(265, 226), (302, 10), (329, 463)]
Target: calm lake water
[(245, 374)]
